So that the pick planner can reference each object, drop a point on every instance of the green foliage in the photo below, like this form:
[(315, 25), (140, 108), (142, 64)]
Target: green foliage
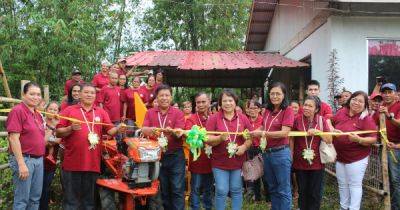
[(42, 40), (196, 24)]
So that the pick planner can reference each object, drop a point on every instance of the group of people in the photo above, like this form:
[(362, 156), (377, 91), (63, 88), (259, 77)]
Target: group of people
[(99, 108)]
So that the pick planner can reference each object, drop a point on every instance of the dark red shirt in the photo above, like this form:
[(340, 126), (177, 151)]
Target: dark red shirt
[(100, 80), (393, 132), (280, 118), (109, 96), (203, 164), (220, 157), (348, 151), (173, 119), (254, 125), (69, 83), (326, 110), (146, 94), (301, 124), (127, 96), (77, 155), (31, 128), (121, 71)]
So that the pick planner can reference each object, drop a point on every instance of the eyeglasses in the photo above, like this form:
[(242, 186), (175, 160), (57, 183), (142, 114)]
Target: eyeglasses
[(357, 101)]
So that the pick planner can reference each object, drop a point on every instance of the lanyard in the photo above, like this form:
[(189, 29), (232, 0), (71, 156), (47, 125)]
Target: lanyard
[(198, 118), (227, 129), (266, 120), (305, 137), (86, 121), (162, 125)]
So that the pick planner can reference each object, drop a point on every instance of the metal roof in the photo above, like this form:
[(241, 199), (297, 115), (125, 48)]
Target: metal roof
[(261, 14), (213, 69)]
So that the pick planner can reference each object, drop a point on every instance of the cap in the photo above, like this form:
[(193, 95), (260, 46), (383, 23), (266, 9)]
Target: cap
[(374, 95), (122, 60), (388, 86), (75, 71)]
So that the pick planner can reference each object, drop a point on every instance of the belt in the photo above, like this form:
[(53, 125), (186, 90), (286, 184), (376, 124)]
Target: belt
[(32, 156), (276, 149)]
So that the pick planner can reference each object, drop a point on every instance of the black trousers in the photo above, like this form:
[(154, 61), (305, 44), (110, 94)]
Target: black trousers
[(79, 190), (310, 188)]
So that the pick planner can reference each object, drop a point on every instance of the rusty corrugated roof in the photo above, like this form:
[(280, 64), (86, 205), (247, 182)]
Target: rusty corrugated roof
[(211, 60)]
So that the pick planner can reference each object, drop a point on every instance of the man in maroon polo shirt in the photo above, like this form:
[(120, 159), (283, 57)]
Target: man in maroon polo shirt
[(109, 98), (391, 109), (172, 173), (76, 78), (201, 174), (313, 89), (81, 164)]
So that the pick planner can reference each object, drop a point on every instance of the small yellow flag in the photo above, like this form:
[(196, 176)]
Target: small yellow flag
[(140, 110)]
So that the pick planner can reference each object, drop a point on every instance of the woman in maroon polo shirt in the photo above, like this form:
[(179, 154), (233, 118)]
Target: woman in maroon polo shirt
[(353, 150), (72, 97), (306, 159), (253, 110), (229, 151), (147, 92), (277, 123), (26, 129), (51, 153)]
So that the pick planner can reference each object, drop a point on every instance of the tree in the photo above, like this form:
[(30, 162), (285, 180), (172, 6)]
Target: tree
[(334, 80), (196, 25)]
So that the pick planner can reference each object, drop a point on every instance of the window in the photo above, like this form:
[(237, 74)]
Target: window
[(383, 60)]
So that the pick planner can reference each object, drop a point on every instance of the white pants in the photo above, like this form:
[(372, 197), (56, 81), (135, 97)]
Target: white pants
[(350, 177)]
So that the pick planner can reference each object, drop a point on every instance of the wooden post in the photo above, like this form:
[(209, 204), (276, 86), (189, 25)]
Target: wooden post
[(23, 82), (301, 89), (5, 82), (385, 171), (46, 93)]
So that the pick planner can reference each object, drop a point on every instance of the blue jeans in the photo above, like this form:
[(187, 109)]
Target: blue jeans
[(228, 181), (27, 192), (172, 180), (204, 183), (47, 179), (394, 172), (277, 166)]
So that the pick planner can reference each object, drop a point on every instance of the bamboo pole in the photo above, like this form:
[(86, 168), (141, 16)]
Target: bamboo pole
[(385, 171), (3, 133), (3, 118), (46, 93), (4, 149), (4, 166), (9, 100), (5, 82)]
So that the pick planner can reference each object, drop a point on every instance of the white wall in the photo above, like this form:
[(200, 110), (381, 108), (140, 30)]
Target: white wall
[(349, 36), (289, 18)]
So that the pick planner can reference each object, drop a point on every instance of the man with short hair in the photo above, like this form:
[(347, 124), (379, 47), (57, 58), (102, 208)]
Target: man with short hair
[(109, 98), (313, 89), (165, 123), (76, 78), (391, 109), (82, 155)]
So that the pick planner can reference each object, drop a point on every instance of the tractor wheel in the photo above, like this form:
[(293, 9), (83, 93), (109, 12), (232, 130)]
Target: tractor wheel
[(107, 198)]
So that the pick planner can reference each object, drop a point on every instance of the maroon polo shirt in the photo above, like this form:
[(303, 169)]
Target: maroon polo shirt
[(69, 83), (146, 94), (121, 71), (100, 80), (300, 143), (203, 164), (77, 155), (393, 132), (173, 119), (127, 96), (220, 157), (254, 125), (326, 110), (348, 151), (280, 119), (31, 128), (109, 96)]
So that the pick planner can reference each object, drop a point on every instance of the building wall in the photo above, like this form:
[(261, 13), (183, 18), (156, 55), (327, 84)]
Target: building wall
[(289, 18), (349, 36)]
